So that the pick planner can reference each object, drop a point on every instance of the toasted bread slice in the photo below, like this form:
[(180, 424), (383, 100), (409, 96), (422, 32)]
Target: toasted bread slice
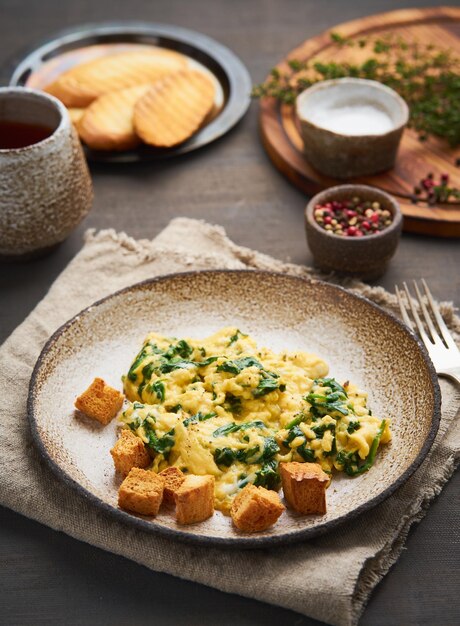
[(173, 480), (82, 84), (100, 401), (194, 499), (107, 123), (304, 486), (255, 509), (141, 492), (128, 452), (75, 114), (174, 108)]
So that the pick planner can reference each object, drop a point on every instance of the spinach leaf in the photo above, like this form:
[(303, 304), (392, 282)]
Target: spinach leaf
[(199, 417), (307, 454), (265, 386), (352, 426), (238, 365), (268, 475), (233, 404), (235, 337), (271, 448), (298, 419), (224, 456), (158, 389), (161, 445), (232, 427)]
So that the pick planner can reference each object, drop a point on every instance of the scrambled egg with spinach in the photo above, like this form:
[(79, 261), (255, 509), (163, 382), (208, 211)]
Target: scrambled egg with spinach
[(225, 407)]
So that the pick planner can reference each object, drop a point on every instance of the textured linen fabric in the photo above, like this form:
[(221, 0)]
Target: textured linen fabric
[(329, 578)]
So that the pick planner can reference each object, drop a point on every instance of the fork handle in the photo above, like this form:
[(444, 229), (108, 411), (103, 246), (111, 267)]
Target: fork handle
[(453, 373)]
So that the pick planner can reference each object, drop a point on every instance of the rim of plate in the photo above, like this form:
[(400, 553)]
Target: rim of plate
[(247, 541)]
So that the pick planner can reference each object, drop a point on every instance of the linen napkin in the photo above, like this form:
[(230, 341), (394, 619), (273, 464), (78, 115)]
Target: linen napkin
[(359, 552)]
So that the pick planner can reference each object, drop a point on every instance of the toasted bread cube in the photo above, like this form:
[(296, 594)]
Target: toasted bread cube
[(100, 401), (194, 499), (255, 509), (129, 452), (304, 486), (141, 492), (173, 480)]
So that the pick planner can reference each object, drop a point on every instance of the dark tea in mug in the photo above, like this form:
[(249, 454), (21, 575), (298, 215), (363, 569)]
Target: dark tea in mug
[(20, 134)]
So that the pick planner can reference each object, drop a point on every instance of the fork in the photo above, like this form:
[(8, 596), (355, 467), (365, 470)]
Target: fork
[(440, 345)]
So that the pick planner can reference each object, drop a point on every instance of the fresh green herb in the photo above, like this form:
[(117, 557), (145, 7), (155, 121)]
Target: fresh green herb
[(298, 419), (427, 77), (271, 448), (352, 426), (233, 404), (268, 475), (265, 386), (175, 409), (161, 445), (238, 365), (158, 388), (335, 400), (224, 456), (181, 348), (199, 417), (321, 429), (227, 456), (233, 427), (235, 337), (294, 432), (307, 454), (148, 349)]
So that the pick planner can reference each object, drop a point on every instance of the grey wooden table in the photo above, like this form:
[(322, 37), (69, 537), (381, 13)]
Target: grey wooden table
[(48, 578)]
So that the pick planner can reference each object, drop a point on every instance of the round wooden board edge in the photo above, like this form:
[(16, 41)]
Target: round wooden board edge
[(269, 113)]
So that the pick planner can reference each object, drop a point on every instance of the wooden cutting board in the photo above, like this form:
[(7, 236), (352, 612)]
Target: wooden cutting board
[(439, 26)]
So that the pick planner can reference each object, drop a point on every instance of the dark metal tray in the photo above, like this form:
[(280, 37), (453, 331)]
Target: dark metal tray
[(226, 67)]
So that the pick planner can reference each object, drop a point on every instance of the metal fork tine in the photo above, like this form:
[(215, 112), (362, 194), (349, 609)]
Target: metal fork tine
[(441, 324), (434, 333), (426, 340), (407, 320)]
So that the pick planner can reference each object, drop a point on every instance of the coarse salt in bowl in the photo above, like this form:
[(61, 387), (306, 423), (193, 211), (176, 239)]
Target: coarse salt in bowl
[(351, 126)]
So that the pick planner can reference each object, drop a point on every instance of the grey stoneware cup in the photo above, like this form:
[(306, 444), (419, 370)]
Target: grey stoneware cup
[(345, 156), (360, 257), (45, 187)]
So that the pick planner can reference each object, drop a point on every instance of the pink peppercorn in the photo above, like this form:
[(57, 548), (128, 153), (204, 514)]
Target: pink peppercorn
[(352, 218), (374, 218)]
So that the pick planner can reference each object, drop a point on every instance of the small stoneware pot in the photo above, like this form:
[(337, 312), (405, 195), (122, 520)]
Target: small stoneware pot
[(45, 187), (361, 257), (350, 152)]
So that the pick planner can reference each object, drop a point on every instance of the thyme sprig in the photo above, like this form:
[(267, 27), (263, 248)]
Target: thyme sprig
[(427, 77)]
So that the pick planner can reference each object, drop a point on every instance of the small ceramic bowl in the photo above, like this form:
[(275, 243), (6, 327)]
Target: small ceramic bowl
[(351, 126), (361, 257)]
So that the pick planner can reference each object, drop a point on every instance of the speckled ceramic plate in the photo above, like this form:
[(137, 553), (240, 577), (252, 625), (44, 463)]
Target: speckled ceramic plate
[(357, 339)]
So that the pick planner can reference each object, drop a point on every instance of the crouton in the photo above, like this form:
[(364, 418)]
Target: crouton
[(194, 499), (255, 509), (304, 486), (129, 452), (141, 492), (173, 480), (100, 401)]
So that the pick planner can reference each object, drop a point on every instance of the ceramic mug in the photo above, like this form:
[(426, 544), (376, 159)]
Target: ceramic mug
[(45, 186)]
